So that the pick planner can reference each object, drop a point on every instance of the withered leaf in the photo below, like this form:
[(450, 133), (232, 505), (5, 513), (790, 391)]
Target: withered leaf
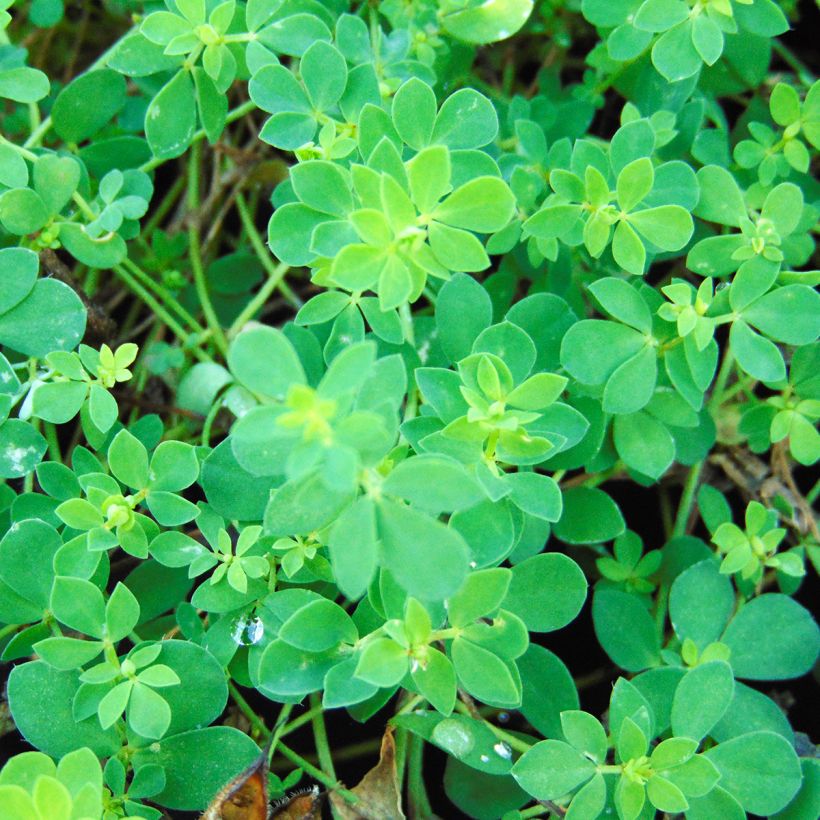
[(378, 791), (306, 805), (245, 797)]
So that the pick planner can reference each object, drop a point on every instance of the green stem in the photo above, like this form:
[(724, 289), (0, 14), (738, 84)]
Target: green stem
[(317, 774), (275, 273), (687, 499), (720, 383), (417, 792), (279, 728), (247, 710), (803, 72), (200, 282), (165, 206), (53, 442), (320, 737), (163, 293), (160, 311), (8, 629)]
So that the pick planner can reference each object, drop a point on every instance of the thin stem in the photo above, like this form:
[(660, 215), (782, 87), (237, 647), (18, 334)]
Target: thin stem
[(687, 500), (317, 774), (165, 206), (247, 710), (417, 792), (8, 629), (803, 72), (320, 737), (53, 443), (163, 293), (279, 729), (720, 383), (200, 282), (275, 273), (160, 311)]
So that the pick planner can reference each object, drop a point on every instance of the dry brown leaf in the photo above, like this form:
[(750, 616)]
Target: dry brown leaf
[(245, 797), (378, 791), (306, 805)]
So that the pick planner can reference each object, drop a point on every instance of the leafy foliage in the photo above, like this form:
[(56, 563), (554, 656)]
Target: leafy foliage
[(366, 455)]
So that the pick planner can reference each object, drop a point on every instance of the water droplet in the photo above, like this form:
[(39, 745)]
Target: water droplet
[(255, 630), (238, 631), (485, 758), (503, 749), (454, 736), (247, 632), (414, 665), (503, 717), (473, 565)]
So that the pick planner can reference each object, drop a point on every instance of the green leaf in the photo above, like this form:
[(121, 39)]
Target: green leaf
[(353, 548), (485, 205), (18, 273), (635, 181), (27, 553), (702, 698), (488, 22), (547, 591), (264, 360), (551, 769), (193, 761), (122, 612), (622, 302), (593, 349), (414, 112), (485, 675), (170, 119), (772, 637), (755, 354), (324, 73), (79, 604), (590, 516), (790, 314), (631, 385), (434, 484), (585, 733), (466, 119), (456, 249), (721, 200), (536, 495), (21, 448), (625, 629), (318, 626), (667, 226), (48, 724), (759, 769), (463, 310), (643, 443), (481, 595), (426, 558), (128, 460), (382, 662), (88, 103), (700, 603), (22, 211)]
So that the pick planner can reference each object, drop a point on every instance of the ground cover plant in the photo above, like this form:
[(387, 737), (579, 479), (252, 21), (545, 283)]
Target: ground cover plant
[(425, 388)]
